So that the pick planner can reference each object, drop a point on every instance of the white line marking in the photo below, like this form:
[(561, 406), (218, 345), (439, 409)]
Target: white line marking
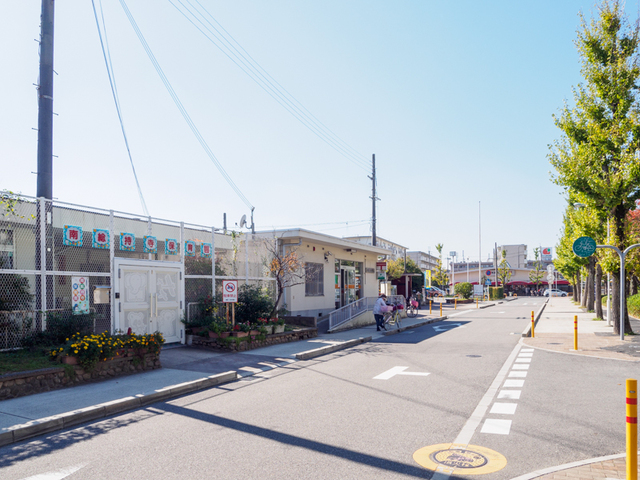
[(525, 355), (500, 427), (523, 360), (527, 350), (520, 366), (517, 374), (510, 394), (398, 371), (514, 383), (504, 408), (465, 435)]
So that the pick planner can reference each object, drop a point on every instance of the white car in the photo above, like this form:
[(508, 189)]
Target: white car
[(554, 293)]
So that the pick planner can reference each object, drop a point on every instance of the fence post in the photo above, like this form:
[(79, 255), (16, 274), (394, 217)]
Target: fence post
[(632, 429), (575, 332)]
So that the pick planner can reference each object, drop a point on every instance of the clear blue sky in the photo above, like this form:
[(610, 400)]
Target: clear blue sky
[(455, 99)]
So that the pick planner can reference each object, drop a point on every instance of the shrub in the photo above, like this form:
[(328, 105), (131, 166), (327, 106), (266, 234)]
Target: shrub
[(253, 303), (633, 305), (464, 289), (496, 293), (61, 326)]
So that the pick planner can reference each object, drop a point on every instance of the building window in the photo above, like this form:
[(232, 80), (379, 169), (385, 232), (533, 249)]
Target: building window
[(314, 279), (6, 249)]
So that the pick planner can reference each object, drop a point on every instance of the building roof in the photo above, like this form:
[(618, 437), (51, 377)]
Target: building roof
[(322, 239)]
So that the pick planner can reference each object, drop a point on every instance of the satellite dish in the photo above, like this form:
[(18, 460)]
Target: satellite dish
[(243, 221)]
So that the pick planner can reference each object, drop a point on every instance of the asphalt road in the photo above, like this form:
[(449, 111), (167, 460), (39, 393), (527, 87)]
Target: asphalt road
[(362, 413)]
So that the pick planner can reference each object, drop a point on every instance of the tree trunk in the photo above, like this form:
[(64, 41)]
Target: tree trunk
[(575, 289), (634, 285), (578, 286), (598, 300), (590, 282), (585, 289)]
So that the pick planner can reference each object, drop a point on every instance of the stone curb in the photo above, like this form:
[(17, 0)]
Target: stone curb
[(317, 352), (415, 325), (45, 425), (567, 466), (527, 331)]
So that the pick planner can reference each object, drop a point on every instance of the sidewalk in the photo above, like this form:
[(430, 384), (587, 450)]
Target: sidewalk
[(554, 330), (184, 370)]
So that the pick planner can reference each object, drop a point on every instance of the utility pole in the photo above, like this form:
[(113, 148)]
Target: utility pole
[(44, 187), (45, 104), (373, 199)]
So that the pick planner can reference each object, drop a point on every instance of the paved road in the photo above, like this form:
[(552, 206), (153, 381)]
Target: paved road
[(362, 413)]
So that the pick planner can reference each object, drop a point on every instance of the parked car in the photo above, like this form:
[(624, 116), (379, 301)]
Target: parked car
[(554, 293), (434, 292)]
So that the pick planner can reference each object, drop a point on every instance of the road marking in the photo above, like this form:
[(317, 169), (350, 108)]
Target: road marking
[(514, 383), (59, 475), (504, 408), (524, 355), (517, 374), (510, 394), (398, 371), (520, 366), (447, 326), (523, 360), (499, 427)]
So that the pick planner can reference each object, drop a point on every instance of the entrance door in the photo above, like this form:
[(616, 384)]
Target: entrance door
[(347, 285), (149, 298)]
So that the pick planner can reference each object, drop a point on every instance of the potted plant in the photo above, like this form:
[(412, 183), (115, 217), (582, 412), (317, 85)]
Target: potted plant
[(240, 330), (265, 325)]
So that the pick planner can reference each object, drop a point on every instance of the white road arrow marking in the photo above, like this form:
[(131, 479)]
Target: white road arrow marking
[(447, 326), (398, 371), (59, 475)]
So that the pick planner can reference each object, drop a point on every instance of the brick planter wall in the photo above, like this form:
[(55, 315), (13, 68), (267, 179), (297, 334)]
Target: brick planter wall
[(244, 344), (14, 385)]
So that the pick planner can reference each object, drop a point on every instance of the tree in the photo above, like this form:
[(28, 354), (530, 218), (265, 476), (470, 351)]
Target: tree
[(596, 155), (286, 266), (464, 289), (535, 275), (504, 269), (396, 268), (440, 278)]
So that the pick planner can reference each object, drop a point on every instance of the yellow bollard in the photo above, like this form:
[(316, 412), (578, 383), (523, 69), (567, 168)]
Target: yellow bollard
[(533, 325), (477, 302), (455, 306), (575, 332), (632, 429), (441, 309), (430, 302)]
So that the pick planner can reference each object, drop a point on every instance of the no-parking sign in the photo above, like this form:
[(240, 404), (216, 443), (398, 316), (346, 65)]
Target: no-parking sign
[(230, 291)]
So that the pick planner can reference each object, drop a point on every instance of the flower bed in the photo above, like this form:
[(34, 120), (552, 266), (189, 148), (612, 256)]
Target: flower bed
[(250, 342)]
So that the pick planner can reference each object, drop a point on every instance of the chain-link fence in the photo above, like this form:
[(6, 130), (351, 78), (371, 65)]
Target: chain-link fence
[(57, 259)]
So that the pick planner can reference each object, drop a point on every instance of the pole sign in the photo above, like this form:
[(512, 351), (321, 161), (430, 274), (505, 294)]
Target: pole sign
[(230, 291), (584, 247)]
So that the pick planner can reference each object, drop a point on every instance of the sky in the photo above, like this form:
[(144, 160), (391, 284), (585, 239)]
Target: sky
[(455, 99)]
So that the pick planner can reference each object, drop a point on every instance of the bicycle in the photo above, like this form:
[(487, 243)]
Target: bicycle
[(393, 317), (412, 308)]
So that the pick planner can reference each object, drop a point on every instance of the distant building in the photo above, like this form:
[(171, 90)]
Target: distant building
[(423, 260), (397, 250)]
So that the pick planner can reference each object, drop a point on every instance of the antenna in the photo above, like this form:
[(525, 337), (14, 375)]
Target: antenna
[(243, 221)]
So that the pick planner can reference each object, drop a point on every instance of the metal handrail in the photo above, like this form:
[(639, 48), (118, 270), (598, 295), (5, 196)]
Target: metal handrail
[(346, 313)]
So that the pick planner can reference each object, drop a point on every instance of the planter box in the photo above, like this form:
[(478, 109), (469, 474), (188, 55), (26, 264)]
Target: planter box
[(239, 334), (278, 328)]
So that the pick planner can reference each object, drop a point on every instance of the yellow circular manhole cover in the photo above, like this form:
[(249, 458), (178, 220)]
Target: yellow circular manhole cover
[(470, 459)]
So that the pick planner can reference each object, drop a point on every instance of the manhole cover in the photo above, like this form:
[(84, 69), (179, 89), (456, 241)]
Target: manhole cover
[(462, 459)]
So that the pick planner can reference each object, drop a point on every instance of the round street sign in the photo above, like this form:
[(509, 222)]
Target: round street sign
[(584, 247)]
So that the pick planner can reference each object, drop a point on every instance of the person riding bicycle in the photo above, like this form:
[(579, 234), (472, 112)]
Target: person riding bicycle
[(378, 311)]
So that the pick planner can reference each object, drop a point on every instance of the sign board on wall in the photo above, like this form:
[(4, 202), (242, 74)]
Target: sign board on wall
[(546, 254), (79, 295), (230, 291)]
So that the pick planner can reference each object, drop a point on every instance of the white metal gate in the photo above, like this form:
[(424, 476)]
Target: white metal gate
[(149, 297)]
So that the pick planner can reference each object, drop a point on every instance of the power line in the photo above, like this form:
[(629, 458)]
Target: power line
[(260, 76), (114, 93), (181, 108)]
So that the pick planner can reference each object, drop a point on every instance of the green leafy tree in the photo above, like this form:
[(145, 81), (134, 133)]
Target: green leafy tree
[(440, 278), (504, 269), (464, 289), (596, 155), (535, 275)]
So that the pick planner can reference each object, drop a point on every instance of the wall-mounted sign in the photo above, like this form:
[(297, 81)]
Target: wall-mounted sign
[(79, 295), (100, 238), (205, 250), (72, 236), (170, 246), (150, 244), (190, 248), (127, 242)]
